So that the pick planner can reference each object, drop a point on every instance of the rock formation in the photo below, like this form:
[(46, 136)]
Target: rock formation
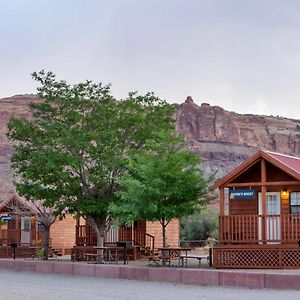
[(224, 139), (16, 106)]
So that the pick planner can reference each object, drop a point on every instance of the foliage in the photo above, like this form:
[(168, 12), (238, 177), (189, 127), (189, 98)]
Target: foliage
[(77, 145), (162, 184), (36, 242), (2, 222), (39, 252), (200, 226)]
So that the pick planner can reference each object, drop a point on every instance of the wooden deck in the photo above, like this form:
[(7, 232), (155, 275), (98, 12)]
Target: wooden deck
[(243, 244), (256, 256), (20, 237), (21, 252)]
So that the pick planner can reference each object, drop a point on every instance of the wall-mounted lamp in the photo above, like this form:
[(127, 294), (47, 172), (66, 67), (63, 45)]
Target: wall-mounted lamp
[(284, 194)]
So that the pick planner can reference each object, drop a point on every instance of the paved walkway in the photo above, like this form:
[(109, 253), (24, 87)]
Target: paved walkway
[(27, 285)]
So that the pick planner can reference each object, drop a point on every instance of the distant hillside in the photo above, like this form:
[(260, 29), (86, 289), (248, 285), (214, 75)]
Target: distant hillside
[(223, 138), (12, 106)]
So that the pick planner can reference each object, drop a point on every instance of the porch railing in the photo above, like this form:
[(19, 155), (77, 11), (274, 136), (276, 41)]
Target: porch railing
[(139, 238), (19, 236), (251, 229), (85, 236)]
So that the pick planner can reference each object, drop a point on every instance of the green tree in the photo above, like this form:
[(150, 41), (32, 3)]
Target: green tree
[(73, 151), (162, 184)]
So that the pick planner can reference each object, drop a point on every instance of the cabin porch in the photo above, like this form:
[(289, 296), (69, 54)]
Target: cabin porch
[(242, 244), (139, 242)]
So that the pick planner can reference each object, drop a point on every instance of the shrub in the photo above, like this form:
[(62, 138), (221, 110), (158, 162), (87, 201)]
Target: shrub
[(200, 226)]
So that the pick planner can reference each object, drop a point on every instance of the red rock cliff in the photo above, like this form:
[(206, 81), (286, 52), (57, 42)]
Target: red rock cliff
[(223, 138), (13, 106)]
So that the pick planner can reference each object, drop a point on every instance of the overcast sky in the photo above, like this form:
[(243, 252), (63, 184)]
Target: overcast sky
[(241, 55)]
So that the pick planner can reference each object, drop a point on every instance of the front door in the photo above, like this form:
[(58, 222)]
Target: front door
[(273, 232), (25, 230)]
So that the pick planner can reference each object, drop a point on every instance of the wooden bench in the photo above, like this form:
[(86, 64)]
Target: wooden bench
[(156, 260), (56, 253), (91, 256), (198, 257), (115, 257)]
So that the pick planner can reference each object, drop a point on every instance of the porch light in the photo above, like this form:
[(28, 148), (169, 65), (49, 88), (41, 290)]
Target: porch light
[(284, 194)]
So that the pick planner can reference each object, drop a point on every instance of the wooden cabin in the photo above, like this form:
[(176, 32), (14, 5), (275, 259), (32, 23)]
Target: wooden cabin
[(143, 237), (19, 227), (71, 236), (260, 214)]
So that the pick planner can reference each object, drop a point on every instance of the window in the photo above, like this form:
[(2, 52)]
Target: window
[(295, 203), (41, 227)]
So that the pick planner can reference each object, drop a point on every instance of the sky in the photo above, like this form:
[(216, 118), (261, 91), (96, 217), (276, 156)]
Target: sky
[(241, 55)]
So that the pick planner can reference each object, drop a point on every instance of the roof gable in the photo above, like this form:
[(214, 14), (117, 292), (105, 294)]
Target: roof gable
[(17, 205), (288, 164)]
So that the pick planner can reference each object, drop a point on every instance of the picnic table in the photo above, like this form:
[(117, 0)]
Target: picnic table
[(109, 253), (174, 253)]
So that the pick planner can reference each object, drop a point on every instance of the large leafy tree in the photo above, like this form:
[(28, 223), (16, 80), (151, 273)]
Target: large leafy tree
[(162, 184), (77, 145)]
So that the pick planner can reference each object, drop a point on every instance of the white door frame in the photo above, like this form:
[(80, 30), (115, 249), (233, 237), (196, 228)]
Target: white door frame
[(273, 226)]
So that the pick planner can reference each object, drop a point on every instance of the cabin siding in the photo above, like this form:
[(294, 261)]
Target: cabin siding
[(275, 174), (251, 175), (243, 206), (62, 233), (172, 232)]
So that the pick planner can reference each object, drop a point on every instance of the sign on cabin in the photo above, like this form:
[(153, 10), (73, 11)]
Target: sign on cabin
[(241, 194), (6, 218)]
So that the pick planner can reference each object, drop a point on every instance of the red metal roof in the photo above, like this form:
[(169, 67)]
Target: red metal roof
[(291, 162)]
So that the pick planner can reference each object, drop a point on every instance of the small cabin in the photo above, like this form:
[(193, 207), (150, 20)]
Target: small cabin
[(19, 226), (260, 214), (142, 236)]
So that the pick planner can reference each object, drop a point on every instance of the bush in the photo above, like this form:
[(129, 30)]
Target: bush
[(200, 226)]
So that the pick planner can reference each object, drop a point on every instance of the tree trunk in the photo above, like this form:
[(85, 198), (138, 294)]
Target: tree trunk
[(100, 230), (164, 240), (46, 242)]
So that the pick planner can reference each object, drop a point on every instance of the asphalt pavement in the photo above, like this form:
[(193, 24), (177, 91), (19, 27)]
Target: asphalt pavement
[(26, 285)]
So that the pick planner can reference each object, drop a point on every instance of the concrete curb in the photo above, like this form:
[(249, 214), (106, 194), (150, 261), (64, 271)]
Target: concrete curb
[(201, 277)]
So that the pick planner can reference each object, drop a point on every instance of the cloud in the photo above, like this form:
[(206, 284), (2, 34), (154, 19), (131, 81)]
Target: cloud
[(240, 55)]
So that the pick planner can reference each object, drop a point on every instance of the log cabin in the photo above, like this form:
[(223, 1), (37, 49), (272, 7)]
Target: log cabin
[(73, 236), (259, 223)]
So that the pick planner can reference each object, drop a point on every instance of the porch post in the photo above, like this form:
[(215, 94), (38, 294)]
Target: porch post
[(35, 229), (77, 231), (222, 201), (263, 198), (222, 213), (18, 230)]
